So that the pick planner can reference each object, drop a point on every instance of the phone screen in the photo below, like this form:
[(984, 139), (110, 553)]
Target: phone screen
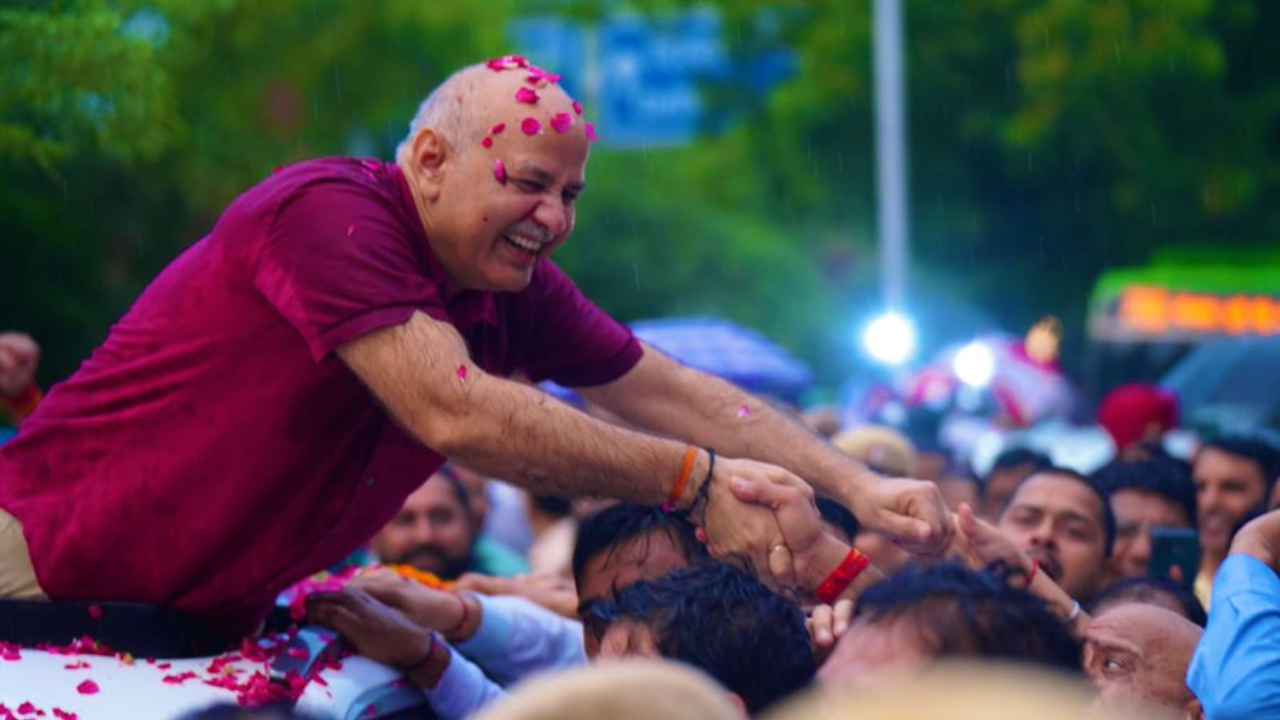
[(1175, 548)]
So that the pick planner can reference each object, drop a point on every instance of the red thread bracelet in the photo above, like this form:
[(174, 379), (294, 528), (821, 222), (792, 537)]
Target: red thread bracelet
[(845, 573), (466, 615)]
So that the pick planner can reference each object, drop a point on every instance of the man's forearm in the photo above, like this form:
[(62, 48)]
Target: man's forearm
[(709, 411), (522, 435)]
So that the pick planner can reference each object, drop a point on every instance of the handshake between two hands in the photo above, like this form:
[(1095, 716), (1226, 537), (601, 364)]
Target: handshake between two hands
[(765, 516)]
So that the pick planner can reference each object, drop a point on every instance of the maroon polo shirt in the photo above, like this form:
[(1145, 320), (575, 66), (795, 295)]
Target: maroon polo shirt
[(215, 449)]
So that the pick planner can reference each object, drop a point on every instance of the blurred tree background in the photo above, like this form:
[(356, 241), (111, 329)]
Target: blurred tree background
[(1050, 139)]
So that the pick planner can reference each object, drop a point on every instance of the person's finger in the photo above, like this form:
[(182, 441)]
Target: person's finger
[(841, 615), (910, 533), (782, 565), (822, 624)]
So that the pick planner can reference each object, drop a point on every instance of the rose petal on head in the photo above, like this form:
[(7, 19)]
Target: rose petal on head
[(577, 107), (530, 126), (507, 62), (487, 142), (500, 172), (462, 373), (590, 130), (497, 129), (561, 122), (88, 687), (526, 95)]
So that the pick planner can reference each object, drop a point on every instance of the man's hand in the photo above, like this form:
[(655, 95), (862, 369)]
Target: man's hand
[(813, 552), (979, 543), (378, 632), (430, 608), (19, 358), (910, 511), (1260, 538), (556, 594), (747, 531), (826, 623)]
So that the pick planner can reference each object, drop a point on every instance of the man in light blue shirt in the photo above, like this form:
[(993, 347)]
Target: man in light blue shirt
[(1236, 668)]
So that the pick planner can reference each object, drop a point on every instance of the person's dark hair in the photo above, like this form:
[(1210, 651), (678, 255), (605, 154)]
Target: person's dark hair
[(963, 613), (1162, 475), (1017, 457), (459, 489), (606, 529), (724, 622), (1108, 517), (1145, 589), (838, 515), (554, 506), (1262, 453)]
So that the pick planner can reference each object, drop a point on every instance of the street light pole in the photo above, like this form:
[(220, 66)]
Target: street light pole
[(891, 152)]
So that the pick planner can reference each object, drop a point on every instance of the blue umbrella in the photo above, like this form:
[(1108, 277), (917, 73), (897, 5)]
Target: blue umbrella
[(735, 353)]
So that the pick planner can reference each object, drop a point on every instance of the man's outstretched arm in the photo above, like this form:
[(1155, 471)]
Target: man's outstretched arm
[(421, 372), (665, 396)]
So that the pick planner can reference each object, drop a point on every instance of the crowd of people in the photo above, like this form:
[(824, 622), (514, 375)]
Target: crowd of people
[(283, 398)]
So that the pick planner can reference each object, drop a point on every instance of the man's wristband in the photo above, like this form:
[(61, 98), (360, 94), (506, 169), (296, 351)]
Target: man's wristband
[(686, 469), (703, 496), (842, 577)]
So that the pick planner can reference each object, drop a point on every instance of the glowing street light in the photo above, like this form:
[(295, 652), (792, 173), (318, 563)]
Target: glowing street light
[(975, 365), (890, 338)]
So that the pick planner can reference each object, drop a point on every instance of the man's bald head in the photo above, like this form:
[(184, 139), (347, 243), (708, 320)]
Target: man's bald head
[(476, 98), (1137, 655)]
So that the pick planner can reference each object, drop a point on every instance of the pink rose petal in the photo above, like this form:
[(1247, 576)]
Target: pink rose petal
[(577, 107), (88, 687), (351, 230), (462, 373), (497, 129), (63, 714), (26, 708), (487, 143), (530, 126), (743, 411), (561, 122), (525, 95), (499, 172), (507, 62), (590, 130)]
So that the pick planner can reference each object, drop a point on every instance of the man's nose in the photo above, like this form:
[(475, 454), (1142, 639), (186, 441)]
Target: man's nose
[(1140, 549), (553, 215), (423, 531)]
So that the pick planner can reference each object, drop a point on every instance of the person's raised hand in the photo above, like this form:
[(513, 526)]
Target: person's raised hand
[(738, 531), (375, 630), (978, 543), (19, 359), (912, 512), (1260, 538)]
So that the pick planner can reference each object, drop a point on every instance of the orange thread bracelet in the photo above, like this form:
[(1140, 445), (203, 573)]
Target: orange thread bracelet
[(845, 573), (686, 469)]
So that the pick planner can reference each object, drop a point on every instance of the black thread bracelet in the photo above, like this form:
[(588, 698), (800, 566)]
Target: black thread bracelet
[(703, 497)]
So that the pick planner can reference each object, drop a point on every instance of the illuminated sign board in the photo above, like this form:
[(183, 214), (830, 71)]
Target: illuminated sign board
[(1150, 313)]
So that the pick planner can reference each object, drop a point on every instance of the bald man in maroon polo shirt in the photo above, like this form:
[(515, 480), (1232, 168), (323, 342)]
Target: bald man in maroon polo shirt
[(275, 394)]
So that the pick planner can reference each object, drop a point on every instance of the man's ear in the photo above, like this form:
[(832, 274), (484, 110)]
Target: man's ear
[(429, 153), (1193, 710)]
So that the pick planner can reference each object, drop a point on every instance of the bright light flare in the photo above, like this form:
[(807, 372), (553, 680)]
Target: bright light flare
[(975, 365), (890, 338)]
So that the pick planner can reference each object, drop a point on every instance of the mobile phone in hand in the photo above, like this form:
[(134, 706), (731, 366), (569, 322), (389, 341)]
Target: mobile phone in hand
[(1175, 547)]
